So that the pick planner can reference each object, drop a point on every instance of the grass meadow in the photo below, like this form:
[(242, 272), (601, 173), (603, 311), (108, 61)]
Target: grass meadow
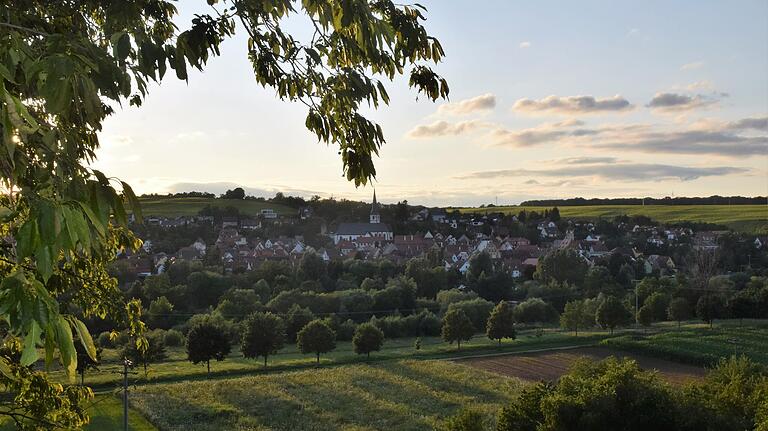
[(742, 218), (392, 395)]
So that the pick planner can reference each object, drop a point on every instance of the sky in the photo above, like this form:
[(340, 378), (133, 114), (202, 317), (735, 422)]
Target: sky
[(549, 99)]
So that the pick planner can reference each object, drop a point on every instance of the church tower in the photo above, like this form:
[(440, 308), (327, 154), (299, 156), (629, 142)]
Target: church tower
[(375, 216)]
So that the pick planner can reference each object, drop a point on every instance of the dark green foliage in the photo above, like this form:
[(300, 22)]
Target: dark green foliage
[(368, 338), (237, 304), (658, 303), (562, 265), (710, 307), (263, 335), (612, 313), (645, 315), (296, 318), (424, 323), (577, 314), (679, 310), (457, 327), (173, 338), (535, 310), (466, 420), (525, 413), (317, 337), (501, 322), (477, 310), (206, 341), (159, 315)]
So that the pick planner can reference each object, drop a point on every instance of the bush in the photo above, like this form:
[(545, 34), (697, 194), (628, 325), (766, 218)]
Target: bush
[(465, 420), (425, 323), (104, 340), (174, 338), (535, 310), (477, 310)]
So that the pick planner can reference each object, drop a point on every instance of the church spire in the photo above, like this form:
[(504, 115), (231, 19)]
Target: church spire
[(375, 216)]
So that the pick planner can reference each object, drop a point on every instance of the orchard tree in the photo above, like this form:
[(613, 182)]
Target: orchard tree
[(679, 310), (645, 315), (501, 323), (85, 362), (263, 335), (368, 338), (317, 337), (457, 327), (206, 341), (153, 353), (296, 319), (612, 313), (561, 265), (66, 65), (576, 315), (710, 307)]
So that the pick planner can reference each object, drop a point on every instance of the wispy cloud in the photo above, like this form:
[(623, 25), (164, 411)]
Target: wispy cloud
[(444, 128), (677, 102), (525, 44), (692, 66), (612, 171), (485, 102), (572, 105)]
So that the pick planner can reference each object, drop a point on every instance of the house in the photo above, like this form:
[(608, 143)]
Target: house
[(374, 228), (268, 213), (305, 213), (229, 222), (250, 224), (663, 264), (438, 215), (706, 240)]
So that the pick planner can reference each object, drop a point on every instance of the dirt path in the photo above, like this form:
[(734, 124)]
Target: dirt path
[(553, 364)]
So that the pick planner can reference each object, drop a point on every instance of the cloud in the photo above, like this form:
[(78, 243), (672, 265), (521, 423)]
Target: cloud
[(726, 139), (756, 123), (525, 44), (614, 171), (675, 102), (483, 102), (572, 105), (692, 66), (444, 128), (586, 160)]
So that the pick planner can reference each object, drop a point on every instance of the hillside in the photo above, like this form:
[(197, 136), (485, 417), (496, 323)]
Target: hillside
[(173, 207), (742, 218)]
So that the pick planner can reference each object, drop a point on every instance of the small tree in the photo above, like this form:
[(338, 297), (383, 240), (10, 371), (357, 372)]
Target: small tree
[(501, 323), (317, 337), (679, 310), (466, 420), (645, 315), (297, 318), (710, 307), (84, 360), (206, 341), (576, 315), (154, 353), (612, 313), (368, 338), (457, 327), (263, 335), (159, 313)]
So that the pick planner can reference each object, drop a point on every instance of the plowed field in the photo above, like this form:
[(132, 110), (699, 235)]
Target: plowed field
[(553, 364)]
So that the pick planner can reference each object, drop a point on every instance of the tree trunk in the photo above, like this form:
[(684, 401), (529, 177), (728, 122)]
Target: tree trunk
[(576, 331), (82, 378), (208, 364), (265, 361), (499, 342), (458, 342), (368, 355), (318, 358)]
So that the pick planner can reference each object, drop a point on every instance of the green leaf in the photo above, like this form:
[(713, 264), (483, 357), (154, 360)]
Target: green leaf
[(95, 221), (85, 337), (133, 201), (66, 346), (29, 354)]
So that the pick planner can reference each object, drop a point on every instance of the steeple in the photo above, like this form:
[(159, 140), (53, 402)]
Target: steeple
[(375, 216)]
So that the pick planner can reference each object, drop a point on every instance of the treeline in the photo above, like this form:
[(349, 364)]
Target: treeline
[(711, 200)]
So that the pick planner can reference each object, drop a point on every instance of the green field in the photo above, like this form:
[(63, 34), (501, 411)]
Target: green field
[(177, 368), (743, 218), (174, 207), (700, 345), (394, 395)]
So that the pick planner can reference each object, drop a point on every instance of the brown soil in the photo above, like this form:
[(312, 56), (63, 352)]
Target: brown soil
[(553, 364)]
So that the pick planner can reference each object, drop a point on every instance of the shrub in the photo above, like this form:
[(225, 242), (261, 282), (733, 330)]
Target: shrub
[(368, 338), (477, 310), (174, 338), (263, 335), (457, 327), (104, 340), (317, 337), (466, 420), (535, 310)]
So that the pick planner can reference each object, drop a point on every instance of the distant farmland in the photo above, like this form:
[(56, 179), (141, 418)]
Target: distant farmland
[(743, 218), (174, 207)]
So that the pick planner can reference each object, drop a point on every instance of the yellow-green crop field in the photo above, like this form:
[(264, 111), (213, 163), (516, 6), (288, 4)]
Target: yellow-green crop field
[(742, 218)]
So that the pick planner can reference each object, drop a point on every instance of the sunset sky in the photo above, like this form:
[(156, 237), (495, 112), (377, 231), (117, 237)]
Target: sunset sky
[(548, 100)]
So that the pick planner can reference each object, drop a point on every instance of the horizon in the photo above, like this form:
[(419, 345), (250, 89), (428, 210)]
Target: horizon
[(620, 101)]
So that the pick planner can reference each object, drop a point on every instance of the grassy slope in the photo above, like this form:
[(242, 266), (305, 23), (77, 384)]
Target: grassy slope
[(177, 368), (172, 207), (700, 345), (395, 395), (745, 218)]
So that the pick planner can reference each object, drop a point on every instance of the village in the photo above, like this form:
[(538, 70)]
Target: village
[(449, 241)]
